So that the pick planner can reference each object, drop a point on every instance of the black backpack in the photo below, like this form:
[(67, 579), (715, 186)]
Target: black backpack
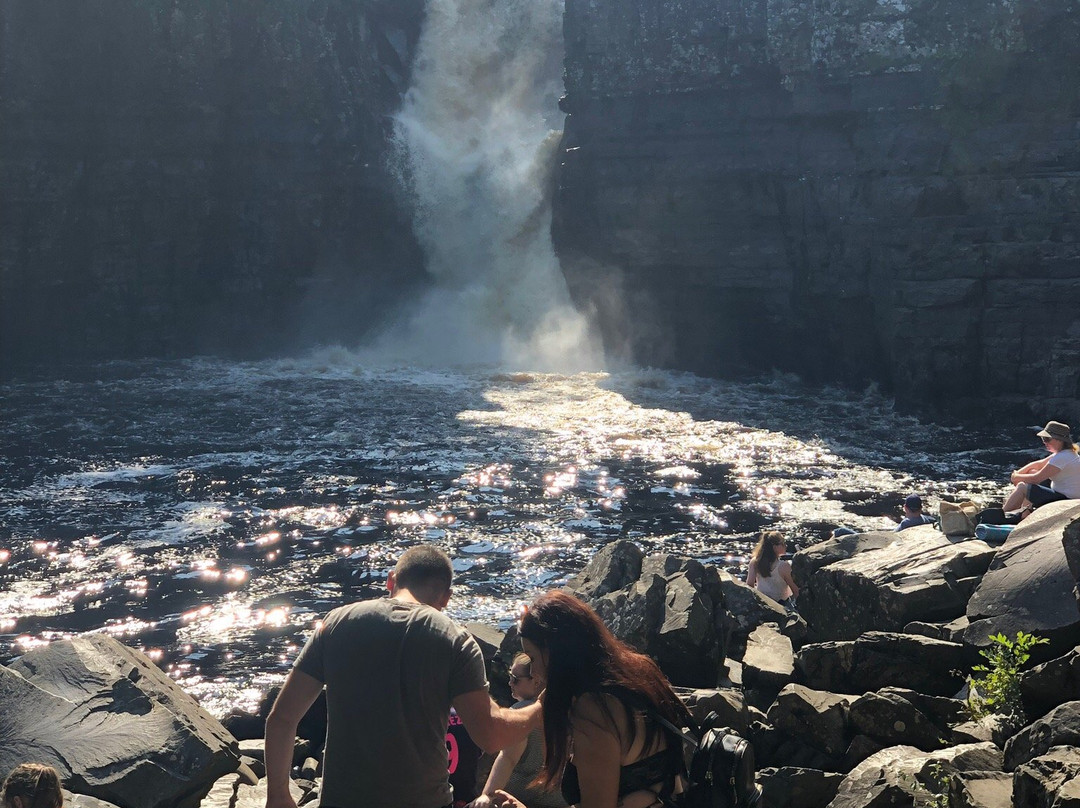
[(721, 770)]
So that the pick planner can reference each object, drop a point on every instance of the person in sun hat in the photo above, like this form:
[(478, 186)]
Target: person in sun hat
[(1051, 479), (913, 514)]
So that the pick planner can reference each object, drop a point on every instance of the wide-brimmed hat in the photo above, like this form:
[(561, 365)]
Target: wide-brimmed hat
[(1056, 429)]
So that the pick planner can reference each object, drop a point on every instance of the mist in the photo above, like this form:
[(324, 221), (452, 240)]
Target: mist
[(476, 141)]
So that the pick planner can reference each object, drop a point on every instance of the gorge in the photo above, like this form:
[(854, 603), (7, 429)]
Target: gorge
[(848, 190)]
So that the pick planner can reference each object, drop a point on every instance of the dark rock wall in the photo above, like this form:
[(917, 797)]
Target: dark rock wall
[(198, 176), (848, 189)]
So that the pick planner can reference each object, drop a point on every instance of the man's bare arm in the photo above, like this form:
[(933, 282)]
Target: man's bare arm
[(494, 727), (297, 695)]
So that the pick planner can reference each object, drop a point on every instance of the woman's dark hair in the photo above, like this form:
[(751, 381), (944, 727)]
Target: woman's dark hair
[(583, 656), (764, 554), (36, 785)]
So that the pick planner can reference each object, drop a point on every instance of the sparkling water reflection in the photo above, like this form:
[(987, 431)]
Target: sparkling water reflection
[(211, 512)]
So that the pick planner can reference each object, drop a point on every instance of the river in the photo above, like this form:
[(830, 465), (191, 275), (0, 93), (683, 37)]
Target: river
[(209, 512)]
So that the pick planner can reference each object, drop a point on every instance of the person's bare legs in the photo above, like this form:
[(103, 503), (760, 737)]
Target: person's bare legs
[(1016, 499)]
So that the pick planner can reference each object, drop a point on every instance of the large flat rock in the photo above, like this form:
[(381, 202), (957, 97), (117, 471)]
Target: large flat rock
[(885, 659), (113, 724), (901, 774), (1028, 586), (890, 580)]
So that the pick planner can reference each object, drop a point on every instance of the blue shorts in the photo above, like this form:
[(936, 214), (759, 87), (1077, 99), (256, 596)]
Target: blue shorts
[(1041, 494)]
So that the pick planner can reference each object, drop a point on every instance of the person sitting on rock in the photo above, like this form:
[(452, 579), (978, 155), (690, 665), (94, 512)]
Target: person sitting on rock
[(32, 785), (1051, 479), (913, 515), (517, 766), (604, 743), (770, 573)]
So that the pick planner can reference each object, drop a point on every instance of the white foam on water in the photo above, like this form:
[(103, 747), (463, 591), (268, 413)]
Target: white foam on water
[(477, 135)]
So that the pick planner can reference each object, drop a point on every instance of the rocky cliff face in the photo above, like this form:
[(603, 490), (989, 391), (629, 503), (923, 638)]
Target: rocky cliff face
[(198, 176), (850, 189)]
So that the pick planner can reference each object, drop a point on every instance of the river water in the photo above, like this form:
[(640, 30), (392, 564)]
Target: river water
[(209, 512)]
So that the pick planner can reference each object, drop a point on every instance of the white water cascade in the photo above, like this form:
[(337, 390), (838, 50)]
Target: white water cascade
[(476, 136)]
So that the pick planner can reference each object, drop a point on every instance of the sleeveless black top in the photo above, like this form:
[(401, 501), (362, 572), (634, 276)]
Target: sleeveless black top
[(662, 767)]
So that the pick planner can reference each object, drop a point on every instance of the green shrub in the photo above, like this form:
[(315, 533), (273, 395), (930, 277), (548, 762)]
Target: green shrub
[(996, 687)]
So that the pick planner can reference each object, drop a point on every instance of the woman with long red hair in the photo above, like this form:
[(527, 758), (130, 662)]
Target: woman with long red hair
[(602, 736)]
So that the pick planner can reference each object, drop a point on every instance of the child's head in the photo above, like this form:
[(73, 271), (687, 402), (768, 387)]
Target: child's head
[(32, 785)]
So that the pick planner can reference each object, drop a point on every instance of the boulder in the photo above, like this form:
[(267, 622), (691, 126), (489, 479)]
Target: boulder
[(769, 662), (814, 717), (880, 659), (951, 631), (981, 790), (1059, 727), (1051, 780), (1029, 587), (892, 720), (810, 559), (1052, 683), (746, 609), (84, 801), (727, 703), (921, 575), (826, 665), (943, 712), (1070, 542), (491, 642), (243, 725), (616, 566), (795, 629), (233, 792), (113, 724), (673, 611), (687, 644), (995, 728), (860, 748), (792, 787), (900, 775)]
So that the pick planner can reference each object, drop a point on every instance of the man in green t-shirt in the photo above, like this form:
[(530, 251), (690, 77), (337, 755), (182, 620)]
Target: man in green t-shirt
[(392, 669)]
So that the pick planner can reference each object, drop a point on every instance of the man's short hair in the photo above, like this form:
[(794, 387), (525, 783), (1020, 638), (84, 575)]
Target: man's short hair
[(422, 567)]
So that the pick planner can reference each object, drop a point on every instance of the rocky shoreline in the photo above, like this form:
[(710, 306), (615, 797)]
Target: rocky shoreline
[(857, 702)]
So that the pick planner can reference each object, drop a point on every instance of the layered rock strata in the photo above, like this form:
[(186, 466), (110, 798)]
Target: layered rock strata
[(198, 177), (845, 189)]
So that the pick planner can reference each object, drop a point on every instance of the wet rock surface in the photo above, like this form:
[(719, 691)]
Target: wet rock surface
[(112, 723)]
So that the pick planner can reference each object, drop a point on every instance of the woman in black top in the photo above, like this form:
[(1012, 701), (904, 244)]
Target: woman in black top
[(600, 707)]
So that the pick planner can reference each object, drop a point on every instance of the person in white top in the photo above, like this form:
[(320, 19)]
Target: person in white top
[(770, 573), (1050, 479)]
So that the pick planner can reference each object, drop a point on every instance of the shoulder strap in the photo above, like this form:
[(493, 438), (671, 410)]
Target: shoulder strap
[(689, 735)]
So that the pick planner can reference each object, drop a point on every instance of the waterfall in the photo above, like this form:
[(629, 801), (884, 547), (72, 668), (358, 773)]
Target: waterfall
[(476, 139)]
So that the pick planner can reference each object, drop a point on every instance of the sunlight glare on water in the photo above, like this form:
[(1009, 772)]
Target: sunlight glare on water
[(211, 512)]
